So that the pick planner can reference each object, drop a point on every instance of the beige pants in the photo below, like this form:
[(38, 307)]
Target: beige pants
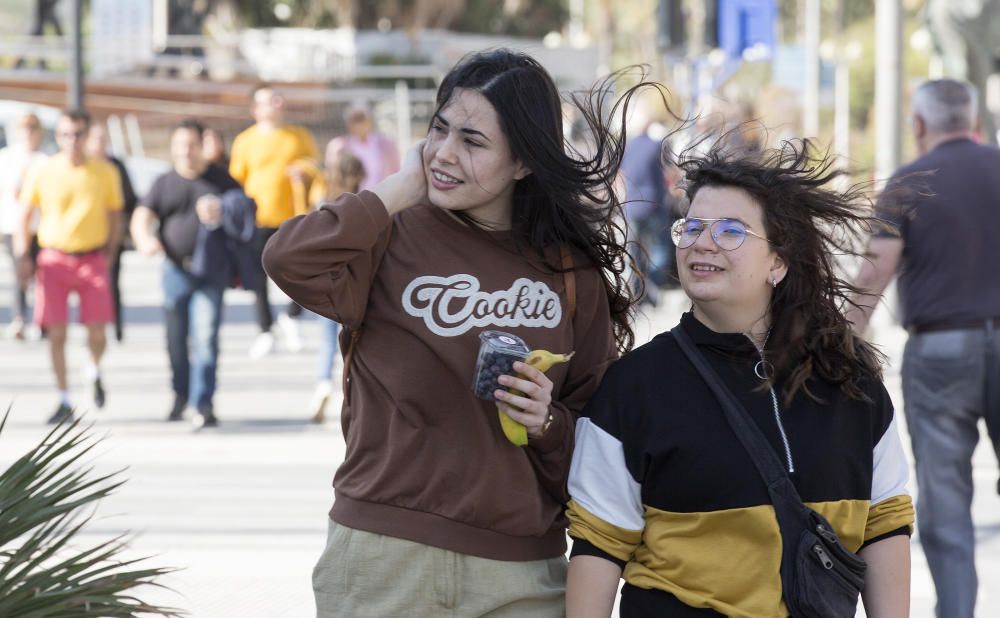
[(361, 575)]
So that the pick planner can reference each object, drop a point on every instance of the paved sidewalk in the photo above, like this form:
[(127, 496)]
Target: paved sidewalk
[(242, 509)]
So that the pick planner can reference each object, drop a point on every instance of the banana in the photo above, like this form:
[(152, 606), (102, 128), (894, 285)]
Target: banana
[(541, 360)]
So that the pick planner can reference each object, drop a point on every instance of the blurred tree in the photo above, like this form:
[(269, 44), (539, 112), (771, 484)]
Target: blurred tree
[(302, 13), (512, 17), (530, 18), (964, 37), (792, 11)]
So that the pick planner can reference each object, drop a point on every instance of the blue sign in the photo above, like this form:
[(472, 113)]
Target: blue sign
[(744, 24)]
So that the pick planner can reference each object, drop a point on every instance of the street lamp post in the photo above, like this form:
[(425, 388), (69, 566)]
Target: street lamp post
[(810, 99), (75, 90), (888, 86)]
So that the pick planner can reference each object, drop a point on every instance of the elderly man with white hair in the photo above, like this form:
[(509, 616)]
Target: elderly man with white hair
[(946, 208)]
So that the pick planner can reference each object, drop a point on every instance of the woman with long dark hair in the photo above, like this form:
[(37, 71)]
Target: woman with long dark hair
[(490, 225), (664, 492)]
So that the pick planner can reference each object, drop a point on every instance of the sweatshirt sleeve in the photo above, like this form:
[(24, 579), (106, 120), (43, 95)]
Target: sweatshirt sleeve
[(605, 511), (891, 509), (325, 260), (595, 350)]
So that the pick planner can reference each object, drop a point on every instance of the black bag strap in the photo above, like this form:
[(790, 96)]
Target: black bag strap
[(788, 505), (569, 279)]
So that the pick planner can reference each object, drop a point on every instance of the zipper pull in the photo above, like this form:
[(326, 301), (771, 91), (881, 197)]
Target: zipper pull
[(823, 557), (826, 533)]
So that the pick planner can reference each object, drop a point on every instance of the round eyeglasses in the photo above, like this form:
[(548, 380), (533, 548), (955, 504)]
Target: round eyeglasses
[(728, 234)]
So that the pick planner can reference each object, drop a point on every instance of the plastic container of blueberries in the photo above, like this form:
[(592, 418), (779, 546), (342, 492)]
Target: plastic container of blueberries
[(498, 351)]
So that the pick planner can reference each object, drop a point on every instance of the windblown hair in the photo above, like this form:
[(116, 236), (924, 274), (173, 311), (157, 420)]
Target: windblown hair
[(812, 225), (568, 198)]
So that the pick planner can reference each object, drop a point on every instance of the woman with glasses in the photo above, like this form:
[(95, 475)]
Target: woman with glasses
[(663, 492)]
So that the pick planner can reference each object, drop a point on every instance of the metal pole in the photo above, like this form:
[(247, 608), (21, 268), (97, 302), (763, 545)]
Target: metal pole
[(75, 91), (575, 30), (404, 132), (842, 96), (888, 87), (842, 119), (842, 110), (810, 97)]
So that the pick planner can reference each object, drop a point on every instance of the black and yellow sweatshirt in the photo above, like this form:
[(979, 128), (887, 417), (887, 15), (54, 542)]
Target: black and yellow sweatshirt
[(662, 486)]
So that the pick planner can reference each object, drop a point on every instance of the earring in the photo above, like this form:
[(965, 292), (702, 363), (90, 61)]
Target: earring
[(774, 282)]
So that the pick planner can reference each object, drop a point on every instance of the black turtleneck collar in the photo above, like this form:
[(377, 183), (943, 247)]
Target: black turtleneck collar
[(735, 344)]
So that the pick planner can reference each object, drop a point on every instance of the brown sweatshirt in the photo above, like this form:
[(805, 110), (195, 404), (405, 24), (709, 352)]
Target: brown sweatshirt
[(426, 460)]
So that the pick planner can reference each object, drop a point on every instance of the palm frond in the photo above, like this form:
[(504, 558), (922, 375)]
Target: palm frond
[(43, 495)]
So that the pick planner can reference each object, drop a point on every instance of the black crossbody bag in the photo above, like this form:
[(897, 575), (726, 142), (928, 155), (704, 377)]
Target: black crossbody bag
[(820, 578)]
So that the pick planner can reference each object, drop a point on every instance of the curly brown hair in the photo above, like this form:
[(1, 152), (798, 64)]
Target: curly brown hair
[(812, 226)]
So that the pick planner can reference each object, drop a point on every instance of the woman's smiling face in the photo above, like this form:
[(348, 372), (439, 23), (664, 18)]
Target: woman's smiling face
[(468, 161), (730, 281)]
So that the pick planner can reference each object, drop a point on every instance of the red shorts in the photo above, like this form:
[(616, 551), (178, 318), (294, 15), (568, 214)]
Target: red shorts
[(57, 274)]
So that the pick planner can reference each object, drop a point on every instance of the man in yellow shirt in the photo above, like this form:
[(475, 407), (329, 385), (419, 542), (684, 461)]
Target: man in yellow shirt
[(265, 159), (79, 202)]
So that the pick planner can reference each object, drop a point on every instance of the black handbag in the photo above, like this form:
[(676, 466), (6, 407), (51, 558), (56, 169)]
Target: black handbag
[(820, 578)]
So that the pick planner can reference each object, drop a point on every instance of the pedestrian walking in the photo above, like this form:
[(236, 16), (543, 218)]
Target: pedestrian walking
[(944, 252), (214, 148), (668, 477), (265, 160), (97, 148), (379, 155), (344, 174), (186, 203), (647, 210), (79, 201), (16, 163), (489, 225), (44, 14)]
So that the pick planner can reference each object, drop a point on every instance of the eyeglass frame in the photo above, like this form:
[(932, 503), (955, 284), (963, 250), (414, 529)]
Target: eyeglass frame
[(707, 225)]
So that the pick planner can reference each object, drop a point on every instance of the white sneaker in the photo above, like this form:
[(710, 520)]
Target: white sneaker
[(15, 330), (317, 404), (262, 346), (32, 333), (290, 332)]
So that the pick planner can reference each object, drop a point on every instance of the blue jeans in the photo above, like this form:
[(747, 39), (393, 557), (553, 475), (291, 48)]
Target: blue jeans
[(193, 313), (948, 377), (327, 349)]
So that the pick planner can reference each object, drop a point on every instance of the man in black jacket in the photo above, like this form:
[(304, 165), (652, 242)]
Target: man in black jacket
[(97, 147)]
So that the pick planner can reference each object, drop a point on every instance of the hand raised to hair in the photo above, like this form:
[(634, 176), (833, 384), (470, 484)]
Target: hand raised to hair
[(408, 186)]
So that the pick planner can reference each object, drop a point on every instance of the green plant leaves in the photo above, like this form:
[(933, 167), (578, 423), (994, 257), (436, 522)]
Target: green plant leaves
[(42, 573)]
